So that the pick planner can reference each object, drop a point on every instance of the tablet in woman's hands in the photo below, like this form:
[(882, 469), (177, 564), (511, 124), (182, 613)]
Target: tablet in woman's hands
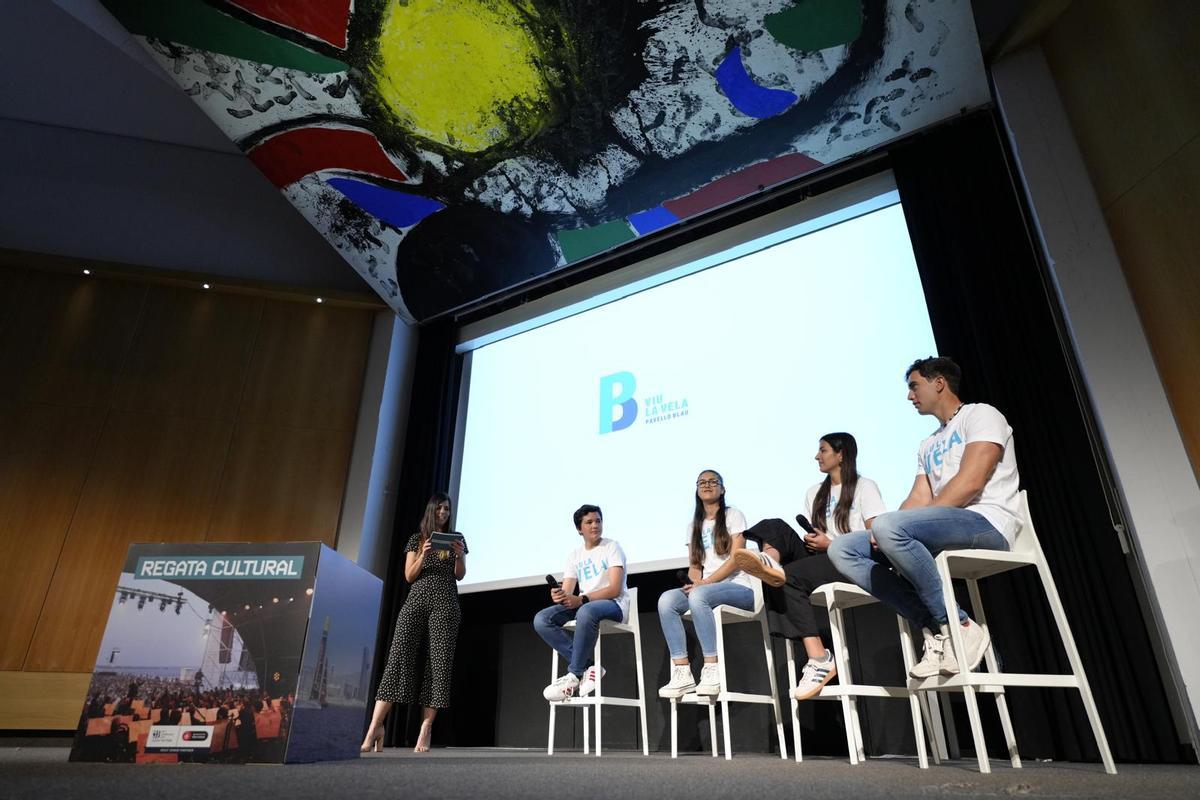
[(440, 540)]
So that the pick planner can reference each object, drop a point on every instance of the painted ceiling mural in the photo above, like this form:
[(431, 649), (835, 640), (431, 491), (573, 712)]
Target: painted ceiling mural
[(453, 148)]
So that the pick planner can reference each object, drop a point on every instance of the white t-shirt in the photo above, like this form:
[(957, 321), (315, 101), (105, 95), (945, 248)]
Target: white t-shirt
[(590, 570), (867, 503), (735, 522), (940, 456)]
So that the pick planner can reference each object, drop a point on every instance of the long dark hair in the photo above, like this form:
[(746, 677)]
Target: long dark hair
[(429, 520), (722, 541), (843, 443)]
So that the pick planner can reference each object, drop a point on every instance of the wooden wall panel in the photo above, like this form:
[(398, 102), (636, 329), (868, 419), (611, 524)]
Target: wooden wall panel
[(68, 338), (282, 484), (190, 354), (12, 282), (153, 480), (1129, 78), (308, 367), (42, 701), (45, 454), (1155, 230)]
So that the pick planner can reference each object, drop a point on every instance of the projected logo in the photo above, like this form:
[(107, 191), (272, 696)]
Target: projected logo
[(619, 405)]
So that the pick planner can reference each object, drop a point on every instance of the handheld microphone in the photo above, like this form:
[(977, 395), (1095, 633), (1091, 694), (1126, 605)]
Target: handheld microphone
[(552, 582), (684, 578), (803, 522)]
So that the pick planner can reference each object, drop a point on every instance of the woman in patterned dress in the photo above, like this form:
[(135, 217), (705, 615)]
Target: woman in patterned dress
[(430, 614)]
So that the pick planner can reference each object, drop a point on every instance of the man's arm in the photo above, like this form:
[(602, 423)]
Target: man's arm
[(978, 461), (920, 495)]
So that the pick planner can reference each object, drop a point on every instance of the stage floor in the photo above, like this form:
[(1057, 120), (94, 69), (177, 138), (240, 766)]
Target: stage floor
[(482, 774)]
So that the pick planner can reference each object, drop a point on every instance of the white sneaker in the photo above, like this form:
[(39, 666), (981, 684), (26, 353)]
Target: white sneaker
[(562, 688), (588, 684), (710, 681), (931, 662), (975, 642), (815, 675), (681, 682)]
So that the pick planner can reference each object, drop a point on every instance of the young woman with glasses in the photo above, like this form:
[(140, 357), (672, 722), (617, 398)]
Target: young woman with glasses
[(714, 535)]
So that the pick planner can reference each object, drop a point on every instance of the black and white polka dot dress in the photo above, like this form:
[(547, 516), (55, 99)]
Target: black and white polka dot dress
[(430, 616)]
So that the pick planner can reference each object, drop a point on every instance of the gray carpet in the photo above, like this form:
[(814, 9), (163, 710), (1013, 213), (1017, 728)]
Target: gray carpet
[(43, 771)]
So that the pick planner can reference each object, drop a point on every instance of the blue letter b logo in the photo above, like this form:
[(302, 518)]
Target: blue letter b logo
[(616, 391)]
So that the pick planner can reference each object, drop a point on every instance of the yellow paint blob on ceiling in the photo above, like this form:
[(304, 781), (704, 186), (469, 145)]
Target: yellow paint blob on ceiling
[(463, 73)]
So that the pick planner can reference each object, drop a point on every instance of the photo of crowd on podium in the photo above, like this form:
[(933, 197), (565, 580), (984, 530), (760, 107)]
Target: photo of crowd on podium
[(247, 723)]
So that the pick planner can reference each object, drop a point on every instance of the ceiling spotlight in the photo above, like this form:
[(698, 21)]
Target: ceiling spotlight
[(274, 599), (320, 299), (206, 285), (247, 607), (87, 271), (308, 591)]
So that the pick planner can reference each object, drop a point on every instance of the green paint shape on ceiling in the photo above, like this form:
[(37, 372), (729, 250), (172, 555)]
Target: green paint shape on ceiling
[(812, 25), (584, 242), (192, 23)]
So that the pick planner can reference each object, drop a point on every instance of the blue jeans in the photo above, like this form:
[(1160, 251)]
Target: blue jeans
[(576, 650), (672, 605), (902, 572)]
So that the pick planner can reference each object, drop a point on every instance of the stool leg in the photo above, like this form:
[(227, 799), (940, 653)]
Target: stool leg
[(774, 685), (1010, 737), (553, 708), (712, 728), (1068, 641), (914, 704), (641, 686), (674, 728), (858, 738), (795, 705), (599, 703), (843, 668), (724, 683), (587, 728), (968, 690)]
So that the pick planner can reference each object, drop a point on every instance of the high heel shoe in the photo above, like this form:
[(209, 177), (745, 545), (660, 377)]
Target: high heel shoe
[(373, 743)]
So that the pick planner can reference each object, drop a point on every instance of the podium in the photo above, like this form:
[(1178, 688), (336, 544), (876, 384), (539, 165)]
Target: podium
[(232, 653)]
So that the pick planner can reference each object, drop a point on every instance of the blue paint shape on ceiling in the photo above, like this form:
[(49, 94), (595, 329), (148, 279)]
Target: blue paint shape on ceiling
[(746, 95), (390, 205), (652, 220)]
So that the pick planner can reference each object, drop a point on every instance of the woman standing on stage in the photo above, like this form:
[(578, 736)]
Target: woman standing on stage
[(714, 536), (841, 503), (430, 612)]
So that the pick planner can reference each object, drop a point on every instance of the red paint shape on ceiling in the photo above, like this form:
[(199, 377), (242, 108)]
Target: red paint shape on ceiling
[(287, 157), (741, 184), (322, 19)]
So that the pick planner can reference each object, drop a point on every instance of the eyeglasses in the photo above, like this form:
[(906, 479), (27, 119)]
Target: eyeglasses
[(704, 483)]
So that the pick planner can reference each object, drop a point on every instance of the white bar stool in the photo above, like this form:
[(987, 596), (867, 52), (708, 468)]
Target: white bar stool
[(729, 615), (836, 597), (598, 698), (973, 565)]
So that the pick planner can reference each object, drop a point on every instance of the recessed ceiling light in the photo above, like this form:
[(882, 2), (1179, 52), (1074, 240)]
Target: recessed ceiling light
[(207, 285), (320, 299), (87, 271)]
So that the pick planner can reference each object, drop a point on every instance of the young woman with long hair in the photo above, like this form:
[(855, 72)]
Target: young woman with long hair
[(430, 612), (843, 502), (714, 536)]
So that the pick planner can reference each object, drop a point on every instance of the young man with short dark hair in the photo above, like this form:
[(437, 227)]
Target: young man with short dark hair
[(964, 496), (597, 566)]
